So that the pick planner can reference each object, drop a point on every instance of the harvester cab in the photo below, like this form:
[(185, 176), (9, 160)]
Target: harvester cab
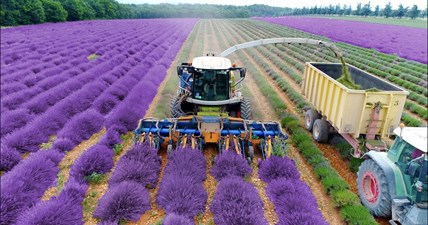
[(208, 86), (395, 183)]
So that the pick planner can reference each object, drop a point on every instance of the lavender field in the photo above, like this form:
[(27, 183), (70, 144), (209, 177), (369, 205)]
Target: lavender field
[(406, 42)]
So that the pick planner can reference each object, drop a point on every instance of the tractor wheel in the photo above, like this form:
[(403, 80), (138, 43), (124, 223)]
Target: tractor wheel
[(246, 113), (320, 130), (173, 107), (373, 188), (310, 116)]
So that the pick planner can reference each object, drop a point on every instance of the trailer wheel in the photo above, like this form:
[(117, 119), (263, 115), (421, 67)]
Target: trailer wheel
[(320, 130), (373, 188), (246, 113), (310, 116)]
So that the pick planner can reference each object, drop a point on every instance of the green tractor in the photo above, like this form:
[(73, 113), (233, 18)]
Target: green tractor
[(394, 183)]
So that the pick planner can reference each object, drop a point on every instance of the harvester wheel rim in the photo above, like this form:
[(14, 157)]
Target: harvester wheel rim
[(370, 187)]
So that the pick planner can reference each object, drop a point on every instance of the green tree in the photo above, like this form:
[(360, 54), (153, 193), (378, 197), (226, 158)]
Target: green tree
[(376, 11), (54, 11), (21, 12), (387, 11), (74, 8), (366, 10), (401, 11), (348, 11), (358, 10), (413, 12)]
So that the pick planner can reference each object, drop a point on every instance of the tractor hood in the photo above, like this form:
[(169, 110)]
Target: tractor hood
[(416, 136), (211, 62)]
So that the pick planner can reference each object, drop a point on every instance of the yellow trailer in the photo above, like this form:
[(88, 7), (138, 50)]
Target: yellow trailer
[(371, 113)]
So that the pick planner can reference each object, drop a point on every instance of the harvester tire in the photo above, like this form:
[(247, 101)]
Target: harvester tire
[(373, 189), (320, 130), (173, 107), (246, 112), (310, 116)]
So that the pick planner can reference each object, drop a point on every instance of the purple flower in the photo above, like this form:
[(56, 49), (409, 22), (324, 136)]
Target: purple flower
[(181, 195), (12, 120), (62, 210), (82, 126), (125, 201), (97, 159), (8, 158), (277, 167), (237, 202), (63, 144), (187, 162), (140, 164), (229, 163), (24, 185)]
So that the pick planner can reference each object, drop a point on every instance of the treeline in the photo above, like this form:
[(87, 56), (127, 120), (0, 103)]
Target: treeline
[(21, 12), (364, 10)]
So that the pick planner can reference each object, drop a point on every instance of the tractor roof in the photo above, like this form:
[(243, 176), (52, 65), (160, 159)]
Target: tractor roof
[(416, 136), (211, 62)]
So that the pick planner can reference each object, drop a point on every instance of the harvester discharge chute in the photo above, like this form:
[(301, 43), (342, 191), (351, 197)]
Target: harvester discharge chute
[(195, 131)]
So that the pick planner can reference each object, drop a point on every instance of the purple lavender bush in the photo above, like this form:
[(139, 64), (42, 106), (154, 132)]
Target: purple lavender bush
[(125, 201), (8, 158), (15, 119), (229, 163), (82, 126), (97, 159), (286, 194), (187, 162), (25, 184), (111, 138), (237, 202), (174, 219), (140, 164), (181, 195), (63, 144), (62, 210), (277, 167)]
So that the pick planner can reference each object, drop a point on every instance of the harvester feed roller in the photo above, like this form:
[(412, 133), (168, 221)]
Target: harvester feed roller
[(227, 132)]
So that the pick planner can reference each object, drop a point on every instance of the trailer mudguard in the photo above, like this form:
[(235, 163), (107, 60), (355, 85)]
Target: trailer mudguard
[(394, 177)]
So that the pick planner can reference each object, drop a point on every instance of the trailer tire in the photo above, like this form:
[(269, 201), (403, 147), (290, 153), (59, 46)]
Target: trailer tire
[(320, 131), (373, 188), (310, 116), (246, 113)]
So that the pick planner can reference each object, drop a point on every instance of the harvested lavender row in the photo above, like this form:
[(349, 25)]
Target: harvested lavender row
[(181, 191), (235, 201), (285, 190), (127, 197)]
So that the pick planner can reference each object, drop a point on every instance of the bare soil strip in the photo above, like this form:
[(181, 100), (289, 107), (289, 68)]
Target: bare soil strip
[(97, 190), (68, 160)]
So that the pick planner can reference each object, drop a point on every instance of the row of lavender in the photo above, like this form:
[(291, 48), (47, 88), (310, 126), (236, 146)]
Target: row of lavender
[(407, 42), (24, 185), (91, 95)]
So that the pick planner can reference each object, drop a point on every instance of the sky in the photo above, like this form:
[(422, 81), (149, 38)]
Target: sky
[(290, 3)]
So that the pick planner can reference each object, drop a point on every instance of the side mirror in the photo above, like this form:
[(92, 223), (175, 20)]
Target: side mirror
[(242, 72), (179, 70)]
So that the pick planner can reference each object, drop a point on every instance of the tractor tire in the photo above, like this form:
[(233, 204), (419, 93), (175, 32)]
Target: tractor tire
[(246, 112), (173, 107), (320, 130), (310, 116), (373, 189)]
